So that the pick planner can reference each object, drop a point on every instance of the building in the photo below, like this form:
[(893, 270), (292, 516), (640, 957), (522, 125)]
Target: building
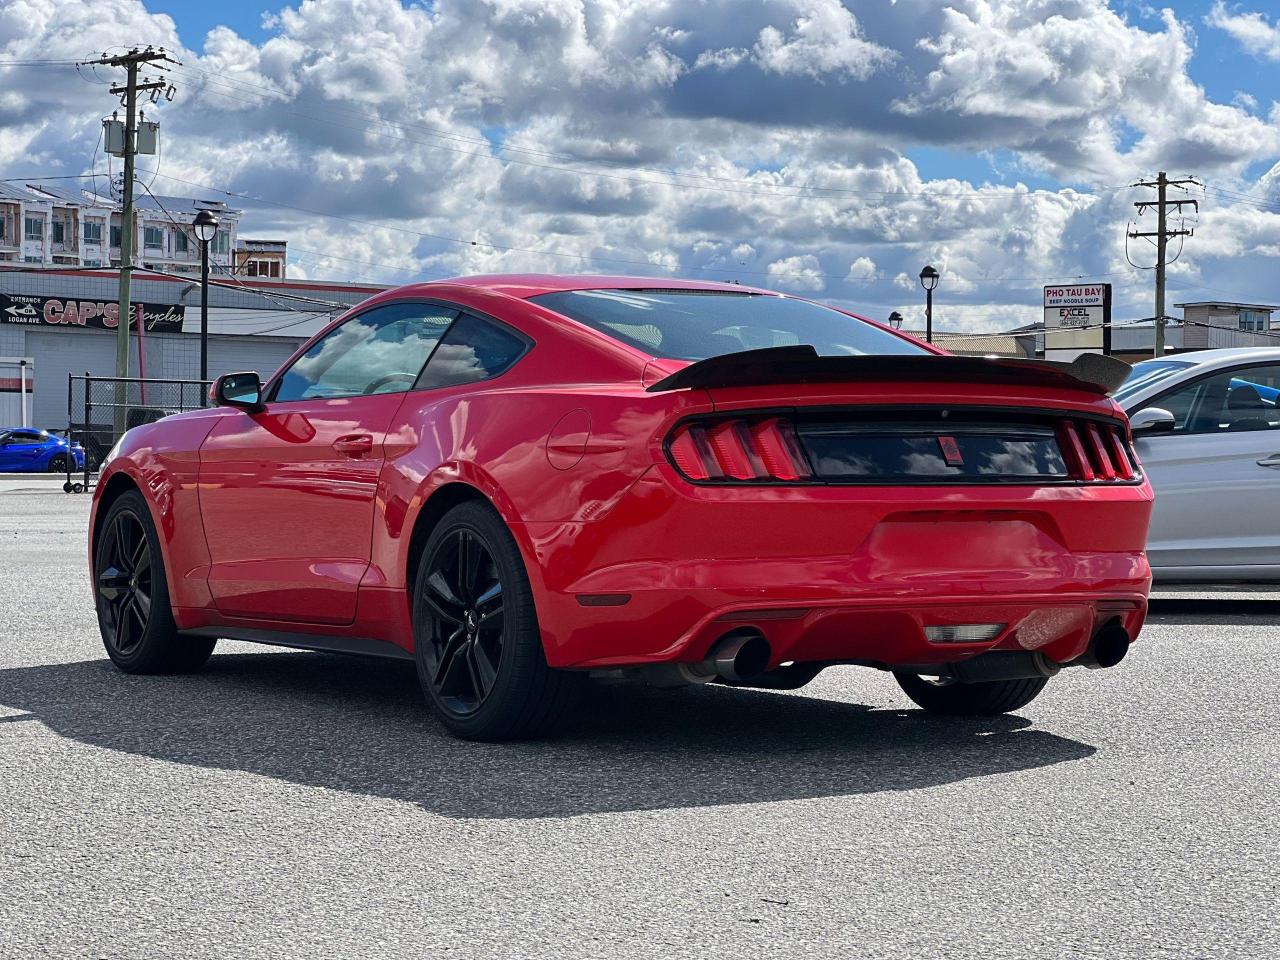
[(261, 258), (51, 227), (1014, 344), (1216, 323), (59, 322)]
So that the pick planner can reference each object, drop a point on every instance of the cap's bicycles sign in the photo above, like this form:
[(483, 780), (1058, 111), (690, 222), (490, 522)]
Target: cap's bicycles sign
[(41, 311)]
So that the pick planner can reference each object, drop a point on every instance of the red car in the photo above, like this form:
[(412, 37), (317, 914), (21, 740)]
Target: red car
[(518, 480)]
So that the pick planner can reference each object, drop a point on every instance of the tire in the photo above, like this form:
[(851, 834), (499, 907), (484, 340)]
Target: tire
[(476, 638), (58, 464), (970, 699), (131, 594)]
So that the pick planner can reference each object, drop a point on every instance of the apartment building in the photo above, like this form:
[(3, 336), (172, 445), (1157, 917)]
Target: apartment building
[(49, 226)]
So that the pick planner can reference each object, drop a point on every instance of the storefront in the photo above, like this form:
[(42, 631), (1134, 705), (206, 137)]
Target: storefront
[(55, 323)]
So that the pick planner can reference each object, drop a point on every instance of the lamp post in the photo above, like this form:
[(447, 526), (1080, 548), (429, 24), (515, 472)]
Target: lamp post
[(895, 320), (205, 227), (928, 279)]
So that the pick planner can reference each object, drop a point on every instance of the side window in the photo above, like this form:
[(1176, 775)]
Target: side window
[(379, 351), (472, 350), (1244, 399)]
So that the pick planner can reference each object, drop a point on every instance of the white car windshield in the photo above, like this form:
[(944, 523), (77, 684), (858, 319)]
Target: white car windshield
[(1146, 373)]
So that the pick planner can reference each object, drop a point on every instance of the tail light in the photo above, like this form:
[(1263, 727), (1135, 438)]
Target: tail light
[(896, 446), (1097, 452), (739, 450)]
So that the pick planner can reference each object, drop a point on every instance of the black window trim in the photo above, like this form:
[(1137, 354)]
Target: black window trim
[(1195, 382), (273, 386)]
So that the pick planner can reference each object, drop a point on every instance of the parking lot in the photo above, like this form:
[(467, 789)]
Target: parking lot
[(296, 804)]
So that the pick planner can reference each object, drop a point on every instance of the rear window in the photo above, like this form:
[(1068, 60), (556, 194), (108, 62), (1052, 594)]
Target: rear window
[(697, 324)]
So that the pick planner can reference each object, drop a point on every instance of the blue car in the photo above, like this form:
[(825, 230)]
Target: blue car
[(26, 450)]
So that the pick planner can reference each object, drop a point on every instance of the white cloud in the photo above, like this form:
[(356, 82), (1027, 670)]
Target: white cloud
[(797, 273), (824, 39), (864, 268), (1252, 30)]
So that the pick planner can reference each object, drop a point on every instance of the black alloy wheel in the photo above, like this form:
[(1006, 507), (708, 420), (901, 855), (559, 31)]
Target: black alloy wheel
[(58, 464), (131, 594), (464, 593), (477, 642), (125, 583)]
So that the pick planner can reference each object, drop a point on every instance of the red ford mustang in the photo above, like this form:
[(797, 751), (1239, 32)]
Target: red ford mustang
[(517, 480)]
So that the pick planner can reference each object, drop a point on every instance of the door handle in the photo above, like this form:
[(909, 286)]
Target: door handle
[(354, 444), (1271, 461)]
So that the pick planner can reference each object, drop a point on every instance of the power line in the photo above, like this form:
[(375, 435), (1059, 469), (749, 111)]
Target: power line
[(577, 256)]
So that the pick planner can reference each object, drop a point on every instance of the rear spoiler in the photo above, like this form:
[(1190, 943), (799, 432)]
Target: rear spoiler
[(1089, 372)]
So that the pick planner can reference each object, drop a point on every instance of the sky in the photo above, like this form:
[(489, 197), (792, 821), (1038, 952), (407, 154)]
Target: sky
[(822, 148)]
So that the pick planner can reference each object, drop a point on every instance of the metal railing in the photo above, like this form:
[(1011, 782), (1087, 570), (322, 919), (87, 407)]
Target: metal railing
[(94, 402)]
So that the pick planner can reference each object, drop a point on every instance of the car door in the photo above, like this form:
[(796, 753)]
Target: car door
[(287, 492), (1217, 476)]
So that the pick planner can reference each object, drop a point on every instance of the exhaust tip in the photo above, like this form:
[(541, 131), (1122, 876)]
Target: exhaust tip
[(740, 655), (1109, 647)]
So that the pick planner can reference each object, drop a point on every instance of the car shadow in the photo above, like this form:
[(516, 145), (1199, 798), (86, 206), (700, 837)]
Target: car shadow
[(361, 726)]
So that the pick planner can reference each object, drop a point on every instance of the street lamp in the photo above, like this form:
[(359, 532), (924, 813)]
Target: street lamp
[(205, 227), (928, 279), (895, 320)]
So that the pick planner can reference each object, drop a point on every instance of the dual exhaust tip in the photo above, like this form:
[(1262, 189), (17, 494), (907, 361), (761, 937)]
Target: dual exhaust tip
[(736, 658), (743, 655)]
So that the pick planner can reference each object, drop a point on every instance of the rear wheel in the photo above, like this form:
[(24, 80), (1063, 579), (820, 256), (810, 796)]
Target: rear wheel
[(478, 647), (950, 697), (58, 464), (132, 595)]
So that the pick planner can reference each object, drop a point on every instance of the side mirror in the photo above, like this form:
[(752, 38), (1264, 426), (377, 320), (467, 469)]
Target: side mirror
[(1151, 420), (243, 390)]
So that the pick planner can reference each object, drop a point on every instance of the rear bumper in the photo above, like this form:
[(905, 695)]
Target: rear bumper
[(839, 574)]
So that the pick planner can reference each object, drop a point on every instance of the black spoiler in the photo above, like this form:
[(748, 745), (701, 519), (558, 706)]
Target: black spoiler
[(1089, 372)]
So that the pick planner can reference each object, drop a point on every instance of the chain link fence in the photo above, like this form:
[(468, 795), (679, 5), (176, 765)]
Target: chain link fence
[(101, 409)]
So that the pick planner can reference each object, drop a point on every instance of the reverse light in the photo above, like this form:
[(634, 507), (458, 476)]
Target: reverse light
[(735, 450), (963, 632)]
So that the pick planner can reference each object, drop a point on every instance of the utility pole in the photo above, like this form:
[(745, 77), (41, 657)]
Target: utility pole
[(1162, 233), (130, 61)]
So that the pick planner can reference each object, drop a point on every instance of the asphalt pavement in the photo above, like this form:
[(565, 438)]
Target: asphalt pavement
[(287, 804)]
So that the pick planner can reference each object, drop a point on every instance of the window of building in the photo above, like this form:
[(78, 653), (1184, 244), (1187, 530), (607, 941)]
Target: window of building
[(472, 350), (33, 228), (59, 231), (115, 236), (275, 268), (1255, 321), (180, 241), (221, 244), (92, 231), (379, 351), (153, 238), (93, 263), (32, 260)]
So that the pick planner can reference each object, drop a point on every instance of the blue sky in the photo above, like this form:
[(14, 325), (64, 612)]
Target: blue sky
[(826, 148)]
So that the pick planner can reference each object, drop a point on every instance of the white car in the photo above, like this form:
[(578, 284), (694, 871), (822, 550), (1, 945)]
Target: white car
[(1206, 426)]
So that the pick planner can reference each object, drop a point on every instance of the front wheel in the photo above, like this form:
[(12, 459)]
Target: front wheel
[(476, 639), (952, 698), (132, 595)]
